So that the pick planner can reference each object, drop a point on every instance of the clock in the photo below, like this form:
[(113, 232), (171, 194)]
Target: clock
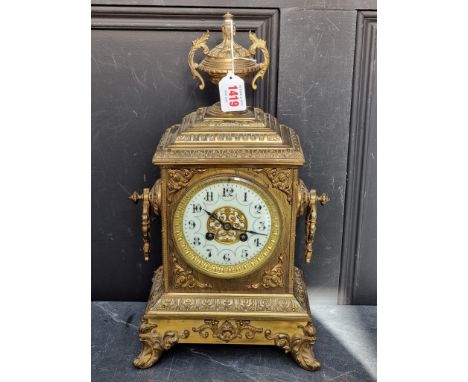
[(228, 196), (226, 227)]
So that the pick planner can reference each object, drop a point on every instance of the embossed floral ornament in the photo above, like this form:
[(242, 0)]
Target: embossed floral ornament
[(179, 178), (186, 279), (280, 179), (227, 331), (271, 278)]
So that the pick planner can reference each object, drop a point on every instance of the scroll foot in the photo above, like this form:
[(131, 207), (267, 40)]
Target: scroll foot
[(154, 344), (302, 348), (299, 345)]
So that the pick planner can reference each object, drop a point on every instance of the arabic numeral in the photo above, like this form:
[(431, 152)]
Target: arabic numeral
[(209, 196), (196, 241), (197, 208), (228, 192), (227, 257), (258, 208), (209, 252), (245, 253), (257, 242), (191, 224), (261, 226), (245, 196)]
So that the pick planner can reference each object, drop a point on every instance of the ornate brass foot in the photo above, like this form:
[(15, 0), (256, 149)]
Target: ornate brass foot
[(154, 344), (300, 345)]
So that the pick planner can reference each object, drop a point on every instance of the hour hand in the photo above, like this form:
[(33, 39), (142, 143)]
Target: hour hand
[(214, 216)]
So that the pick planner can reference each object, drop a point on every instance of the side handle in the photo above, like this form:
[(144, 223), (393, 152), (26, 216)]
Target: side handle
[(150, 198), (308, 201)]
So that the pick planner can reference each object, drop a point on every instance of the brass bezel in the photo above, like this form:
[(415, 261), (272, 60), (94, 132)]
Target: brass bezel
[(218, 270)]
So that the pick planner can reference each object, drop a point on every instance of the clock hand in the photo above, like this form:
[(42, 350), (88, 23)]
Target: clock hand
[(256, 233), (229, 226), (226, 226), (213, 216), (246, 230)]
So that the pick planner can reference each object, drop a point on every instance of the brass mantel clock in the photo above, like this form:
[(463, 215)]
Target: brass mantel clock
[(228, 196)]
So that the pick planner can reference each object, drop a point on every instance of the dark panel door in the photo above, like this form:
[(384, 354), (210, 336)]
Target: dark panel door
[(358, 281), (314, 98)]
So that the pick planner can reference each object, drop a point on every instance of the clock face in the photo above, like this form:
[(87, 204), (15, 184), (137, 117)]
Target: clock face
[(226, 227)]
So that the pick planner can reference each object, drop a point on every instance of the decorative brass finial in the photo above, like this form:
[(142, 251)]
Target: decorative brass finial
[(135, 197), (217, 61)]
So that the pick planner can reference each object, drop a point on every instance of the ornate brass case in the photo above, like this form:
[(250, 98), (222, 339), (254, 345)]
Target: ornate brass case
[(208, 144), (267, 305)]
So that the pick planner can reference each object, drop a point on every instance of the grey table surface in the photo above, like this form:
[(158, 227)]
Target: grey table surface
[(346, 347)]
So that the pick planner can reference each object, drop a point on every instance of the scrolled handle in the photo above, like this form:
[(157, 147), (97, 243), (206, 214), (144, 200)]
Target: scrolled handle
[(198, 44), (150, 197), (258, 43), (308, 199)]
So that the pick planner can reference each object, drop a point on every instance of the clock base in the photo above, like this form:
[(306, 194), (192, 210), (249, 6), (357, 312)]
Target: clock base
[(281, 320)]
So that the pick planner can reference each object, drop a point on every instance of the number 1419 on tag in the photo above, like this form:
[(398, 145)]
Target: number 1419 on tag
[(232, 93)]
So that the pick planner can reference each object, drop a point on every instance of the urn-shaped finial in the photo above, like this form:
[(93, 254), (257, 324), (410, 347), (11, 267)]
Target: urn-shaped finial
[(219, 60)]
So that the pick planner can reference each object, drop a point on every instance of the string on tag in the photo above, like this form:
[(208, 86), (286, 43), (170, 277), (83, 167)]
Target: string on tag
[(232, 45), (232, 49), (231, 87)]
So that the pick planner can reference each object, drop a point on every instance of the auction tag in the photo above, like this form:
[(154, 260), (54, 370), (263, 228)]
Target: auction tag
[(232, 93)]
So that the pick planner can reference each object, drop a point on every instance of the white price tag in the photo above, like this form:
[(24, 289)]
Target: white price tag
[(232, 93)]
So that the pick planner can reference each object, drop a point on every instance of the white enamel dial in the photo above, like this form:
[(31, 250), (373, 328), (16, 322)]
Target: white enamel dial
[(229, 225)]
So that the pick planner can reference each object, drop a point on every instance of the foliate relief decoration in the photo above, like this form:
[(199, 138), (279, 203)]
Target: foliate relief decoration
[(299, 345), (228, 304), (154, 344), (228, 331), (235, 153), (184, 278), (299, 289), (180, 178), (280, 179), (157, 288), (271, 278), (164, 153)]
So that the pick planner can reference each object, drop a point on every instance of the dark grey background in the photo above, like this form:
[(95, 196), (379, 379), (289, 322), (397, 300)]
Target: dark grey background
[(321, 83)]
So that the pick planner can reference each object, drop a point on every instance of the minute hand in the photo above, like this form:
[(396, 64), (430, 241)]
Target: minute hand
[(246, 230), (231, 226)]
